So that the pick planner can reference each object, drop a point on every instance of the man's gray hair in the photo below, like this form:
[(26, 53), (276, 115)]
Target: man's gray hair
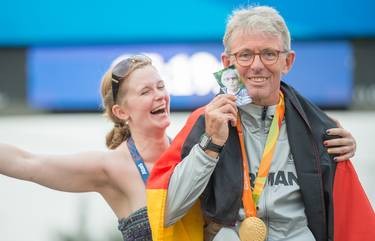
[(251, 19)]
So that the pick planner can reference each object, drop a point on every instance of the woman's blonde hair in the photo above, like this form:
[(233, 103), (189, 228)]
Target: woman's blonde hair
[(120, 132)]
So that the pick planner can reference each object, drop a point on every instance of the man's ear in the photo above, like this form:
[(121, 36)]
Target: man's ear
[(120, 112), (225, 60), (289, 61)]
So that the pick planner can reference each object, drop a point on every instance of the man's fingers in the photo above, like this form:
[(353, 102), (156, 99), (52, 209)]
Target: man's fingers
[(228, 109)]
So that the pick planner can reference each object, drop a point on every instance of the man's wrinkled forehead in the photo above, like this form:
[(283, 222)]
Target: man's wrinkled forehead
[(245, 36)]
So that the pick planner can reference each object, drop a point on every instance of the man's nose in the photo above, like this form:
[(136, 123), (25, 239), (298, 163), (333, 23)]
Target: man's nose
[(257, 63)]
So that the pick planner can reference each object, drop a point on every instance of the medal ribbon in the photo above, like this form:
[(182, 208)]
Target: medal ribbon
[(142, 168), (250, 198)]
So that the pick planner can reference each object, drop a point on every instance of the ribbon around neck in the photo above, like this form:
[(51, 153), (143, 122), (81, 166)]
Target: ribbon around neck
[(250, 198)]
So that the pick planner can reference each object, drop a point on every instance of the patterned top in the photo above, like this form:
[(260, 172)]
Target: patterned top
[(136, 227)]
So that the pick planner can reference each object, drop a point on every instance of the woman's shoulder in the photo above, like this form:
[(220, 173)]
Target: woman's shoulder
[(118, 155), (118, 160)]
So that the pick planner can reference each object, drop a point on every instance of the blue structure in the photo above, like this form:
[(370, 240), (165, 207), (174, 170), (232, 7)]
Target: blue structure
[(70, 44)]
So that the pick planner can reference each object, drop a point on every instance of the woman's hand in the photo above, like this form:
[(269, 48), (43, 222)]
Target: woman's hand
[(344, 146)]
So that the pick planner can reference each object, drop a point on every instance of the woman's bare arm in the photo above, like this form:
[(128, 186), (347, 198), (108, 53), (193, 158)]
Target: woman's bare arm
[(80, 172)]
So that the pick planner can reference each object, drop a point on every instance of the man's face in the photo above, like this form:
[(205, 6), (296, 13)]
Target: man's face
[(262, 81), (230, 81)]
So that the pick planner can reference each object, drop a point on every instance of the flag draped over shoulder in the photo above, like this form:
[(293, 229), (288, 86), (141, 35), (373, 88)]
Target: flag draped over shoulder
[(190, 227), (354, 218)]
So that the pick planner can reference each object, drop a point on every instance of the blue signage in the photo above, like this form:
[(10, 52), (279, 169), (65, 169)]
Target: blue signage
[(68, 78)]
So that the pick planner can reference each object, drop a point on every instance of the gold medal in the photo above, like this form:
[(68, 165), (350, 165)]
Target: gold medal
[(253, 229)]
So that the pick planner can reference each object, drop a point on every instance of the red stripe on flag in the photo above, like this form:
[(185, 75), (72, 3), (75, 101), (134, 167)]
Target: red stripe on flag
[(161, 172)]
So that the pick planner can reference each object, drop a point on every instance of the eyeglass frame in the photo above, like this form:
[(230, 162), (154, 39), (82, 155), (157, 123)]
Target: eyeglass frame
[(260, 56), (126, 64)]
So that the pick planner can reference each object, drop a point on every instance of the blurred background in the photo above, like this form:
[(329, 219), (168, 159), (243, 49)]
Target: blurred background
[(53, 55)]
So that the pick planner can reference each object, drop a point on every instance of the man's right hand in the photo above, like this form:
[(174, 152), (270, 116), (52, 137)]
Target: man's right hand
[(221, 110)]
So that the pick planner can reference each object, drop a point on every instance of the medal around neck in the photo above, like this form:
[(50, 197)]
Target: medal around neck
[(253, 229), (230, 83)]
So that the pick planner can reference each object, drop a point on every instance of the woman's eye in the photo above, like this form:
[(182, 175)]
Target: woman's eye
[(145, 92)]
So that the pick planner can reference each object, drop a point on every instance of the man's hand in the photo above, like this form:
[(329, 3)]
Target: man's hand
[(221, 110)]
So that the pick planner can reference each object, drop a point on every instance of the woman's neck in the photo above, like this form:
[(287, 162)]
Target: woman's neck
[(150, 146)]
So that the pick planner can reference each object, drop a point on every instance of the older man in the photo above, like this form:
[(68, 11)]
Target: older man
[(267, 174)]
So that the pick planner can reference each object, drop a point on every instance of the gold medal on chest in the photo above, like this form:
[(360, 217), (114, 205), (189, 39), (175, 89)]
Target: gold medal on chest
[(253, 229)]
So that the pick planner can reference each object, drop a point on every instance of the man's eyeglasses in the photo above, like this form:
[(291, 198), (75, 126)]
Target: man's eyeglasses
[(268, 56), (121, 70)]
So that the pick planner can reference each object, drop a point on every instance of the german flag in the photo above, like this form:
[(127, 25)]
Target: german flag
[(190, 227)]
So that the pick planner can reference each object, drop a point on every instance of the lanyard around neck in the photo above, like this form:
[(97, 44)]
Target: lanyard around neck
[(251, 198), (138, 159)]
